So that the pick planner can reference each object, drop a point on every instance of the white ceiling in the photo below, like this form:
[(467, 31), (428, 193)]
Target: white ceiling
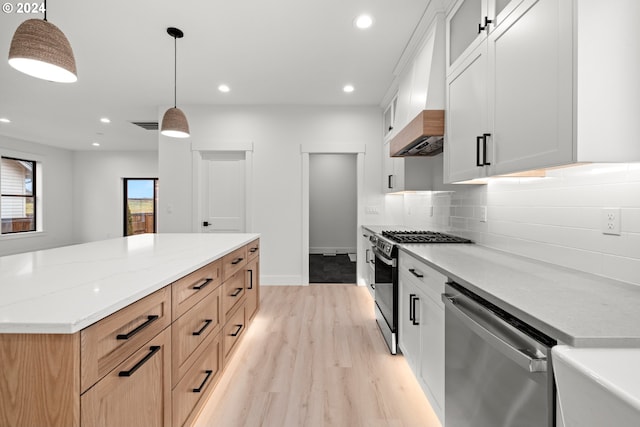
[(268, 52)]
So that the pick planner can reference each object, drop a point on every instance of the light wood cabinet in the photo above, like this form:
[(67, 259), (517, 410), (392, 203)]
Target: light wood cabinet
[(252, 287), (152, 363), (107, 343), (421, 324), (190, 289), (233, 330), (233, 262), (192, 330), (136, 392), (197, 384)]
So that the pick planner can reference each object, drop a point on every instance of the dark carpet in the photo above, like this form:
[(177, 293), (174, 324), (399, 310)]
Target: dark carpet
[(331, 269)]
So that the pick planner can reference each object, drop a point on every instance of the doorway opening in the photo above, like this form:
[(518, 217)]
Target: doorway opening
[(333, 218), (140, 205)]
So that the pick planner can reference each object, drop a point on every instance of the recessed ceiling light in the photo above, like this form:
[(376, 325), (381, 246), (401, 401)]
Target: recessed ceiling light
[(363, 22), (105, 120), (348, 88), (224, 88), (4, 120), (96, 144)]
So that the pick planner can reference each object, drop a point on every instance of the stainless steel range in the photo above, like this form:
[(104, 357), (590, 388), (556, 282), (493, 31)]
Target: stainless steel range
[(385, 248)]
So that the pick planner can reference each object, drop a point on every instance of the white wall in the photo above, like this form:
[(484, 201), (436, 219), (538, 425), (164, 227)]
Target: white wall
[(556, 219), (57, 204), (98, 189), (277, 133), (332, 203)]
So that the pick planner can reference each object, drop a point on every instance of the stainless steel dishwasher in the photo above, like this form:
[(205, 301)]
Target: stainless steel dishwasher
[(498, 370)]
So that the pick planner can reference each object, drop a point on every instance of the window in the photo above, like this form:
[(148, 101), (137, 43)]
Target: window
[(140, 195), (18, 190)]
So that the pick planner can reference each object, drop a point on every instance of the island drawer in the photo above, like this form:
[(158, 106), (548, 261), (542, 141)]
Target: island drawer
[(190, 289), (233, 330), (233, 291), (198, 382), (253, 250), (233, 262), (136, 393), (107, 343), (192, 330)]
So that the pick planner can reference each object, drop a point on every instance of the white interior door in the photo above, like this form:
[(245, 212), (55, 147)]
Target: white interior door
[(223, 193)]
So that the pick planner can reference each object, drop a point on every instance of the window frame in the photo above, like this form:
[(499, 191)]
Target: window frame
[(35, 193)]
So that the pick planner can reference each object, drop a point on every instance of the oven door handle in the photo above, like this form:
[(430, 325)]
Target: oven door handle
[(528, 362), (380, 256)]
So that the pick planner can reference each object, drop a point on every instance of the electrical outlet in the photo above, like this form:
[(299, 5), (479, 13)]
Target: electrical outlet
[(611, 221), (483, 214)]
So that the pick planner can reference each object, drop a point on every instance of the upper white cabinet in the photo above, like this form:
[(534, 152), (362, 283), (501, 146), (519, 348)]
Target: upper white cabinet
[(532, 90), (388, 117)]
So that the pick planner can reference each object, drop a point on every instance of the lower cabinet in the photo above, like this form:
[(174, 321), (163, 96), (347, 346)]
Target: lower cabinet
[(421, 323), (136, 393), (150, 364)]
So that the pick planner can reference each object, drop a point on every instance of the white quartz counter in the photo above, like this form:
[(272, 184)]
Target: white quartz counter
[(578, 309), (66, 289)]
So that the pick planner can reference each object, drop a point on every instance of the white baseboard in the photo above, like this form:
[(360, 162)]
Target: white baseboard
[(332, 250)]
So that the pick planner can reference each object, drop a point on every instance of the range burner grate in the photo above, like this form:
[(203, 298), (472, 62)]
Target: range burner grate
[(423, 237)]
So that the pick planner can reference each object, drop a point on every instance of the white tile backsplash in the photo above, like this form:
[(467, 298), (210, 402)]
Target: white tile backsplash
[(555, 219)]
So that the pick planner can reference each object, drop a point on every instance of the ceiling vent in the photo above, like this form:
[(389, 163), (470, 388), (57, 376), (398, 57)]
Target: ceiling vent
[(147, 125)]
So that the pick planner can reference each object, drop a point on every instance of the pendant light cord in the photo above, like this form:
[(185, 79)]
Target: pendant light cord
[(175, 72), (45, 10)]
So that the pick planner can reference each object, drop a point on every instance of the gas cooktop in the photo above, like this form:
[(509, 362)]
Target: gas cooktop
[(423, 237)]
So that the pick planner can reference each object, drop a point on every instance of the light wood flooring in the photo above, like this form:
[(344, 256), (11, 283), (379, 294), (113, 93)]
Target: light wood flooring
[(314, 356)]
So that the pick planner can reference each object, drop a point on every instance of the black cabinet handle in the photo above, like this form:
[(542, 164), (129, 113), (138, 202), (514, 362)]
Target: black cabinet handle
[(389, 184), (236, 261), (484, 148), (235, 334), (478, 143), (150, 320), (480, 28), (390, 128), (252, 250), (207, 322), (418, 275), (413, 306), (152, 350), (250, 279), (237, 292), (203, 284), (199, 389)]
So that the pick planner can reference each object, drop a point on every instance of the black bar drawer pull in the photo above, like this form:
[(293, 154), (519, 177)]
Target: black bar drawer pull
[(199, 389), (413, 306), (252, 250), (152, 350), (484, 149), (237, 261), (478, 142), (250, 279), (207, 322), (389, 185), (237, 292), (235, 334), (418, 275), (203, 284), (150, 320)]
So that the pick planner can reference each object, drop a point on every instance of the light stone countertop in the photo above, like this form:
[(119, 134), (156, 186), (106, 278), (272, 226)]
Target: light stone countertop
[(579, 309), (66, 289)]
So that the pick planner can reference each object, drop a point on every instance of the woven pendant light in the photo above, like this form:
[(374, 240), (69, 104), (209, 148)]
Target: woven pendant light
[(174, 122), (41, 50)]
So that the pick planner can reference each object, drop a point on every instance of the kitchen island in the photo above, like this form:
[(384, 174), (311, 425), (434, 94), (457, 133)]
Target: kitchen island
[(127, 331)]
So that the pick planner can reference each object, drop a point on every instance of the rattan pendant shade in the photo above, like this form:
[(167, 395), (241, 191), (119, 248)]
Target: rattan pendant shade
[(41, 50), (174, 122)]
